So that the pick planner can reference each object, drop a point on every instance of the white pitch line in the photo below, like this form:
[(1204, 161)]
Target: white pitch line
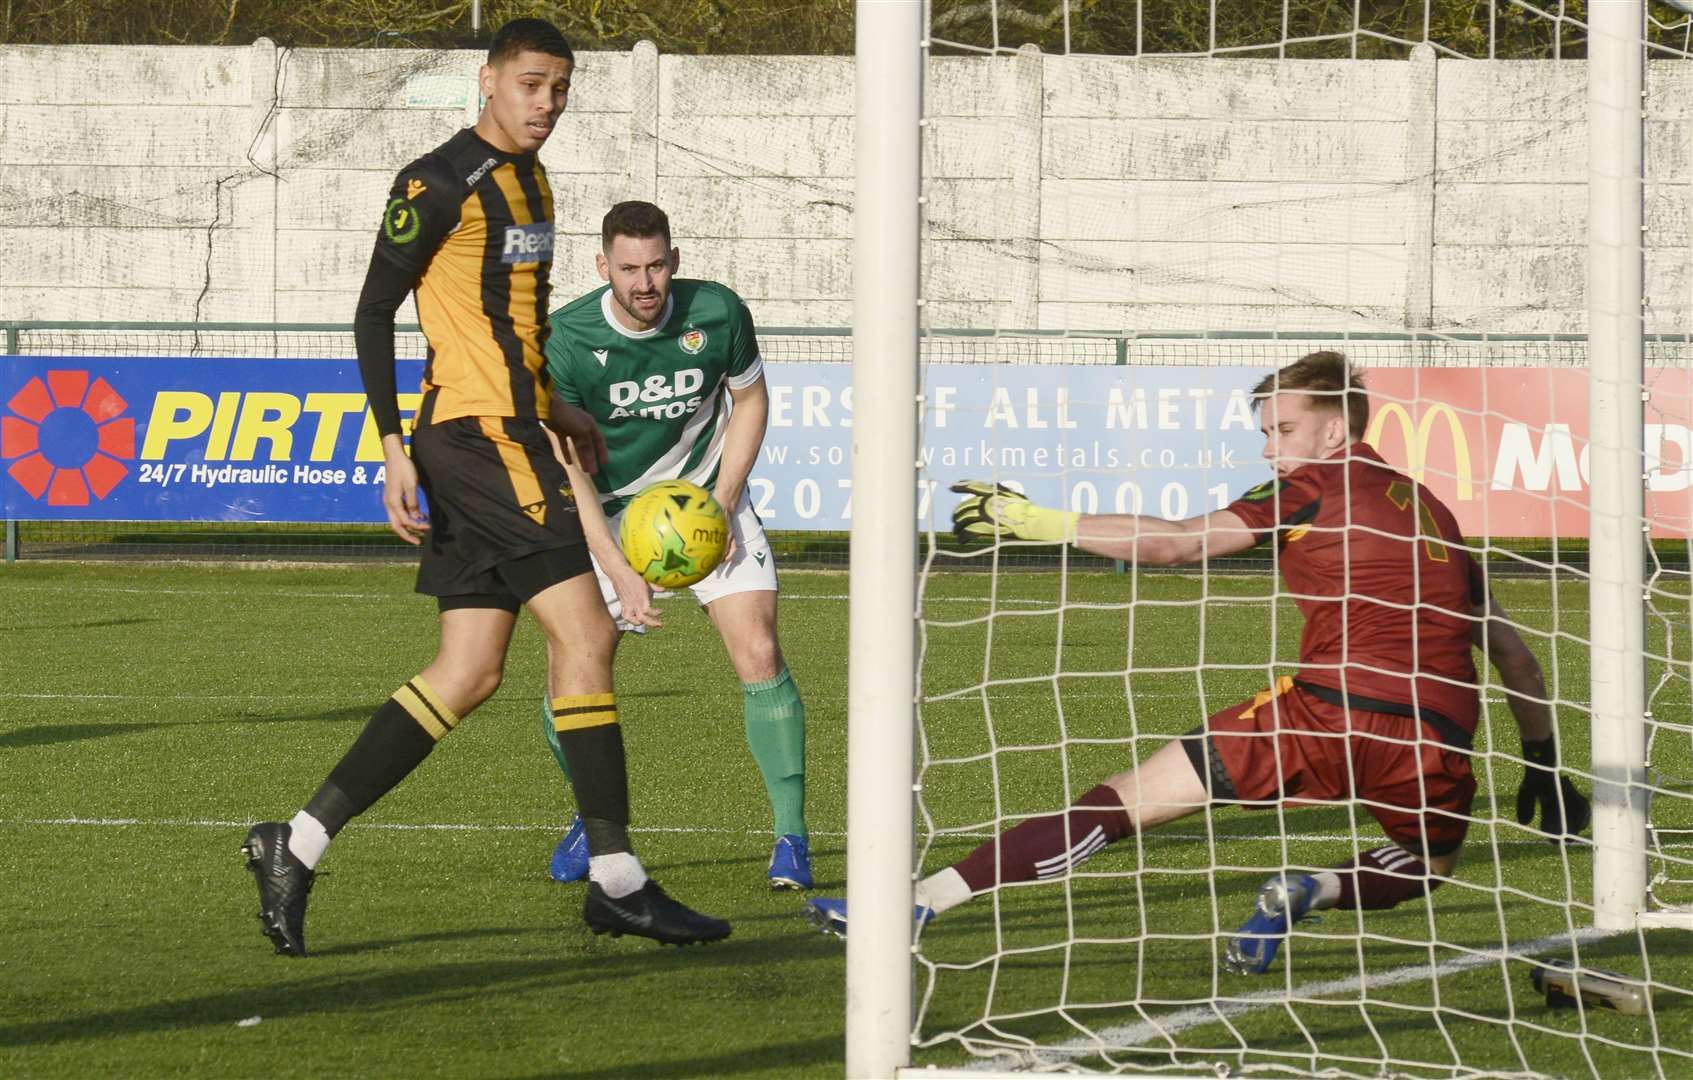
[(1026, 691), (202, 823), (26, 696), (1071, 605), (475, 827), (444, 826), (290, 594), (1170, 1024), (250, 594)]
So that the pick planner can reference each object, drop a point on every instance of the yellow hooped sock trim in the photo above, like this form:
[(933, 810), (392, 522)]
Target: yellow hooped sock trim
[(420, 700), (573, 712)]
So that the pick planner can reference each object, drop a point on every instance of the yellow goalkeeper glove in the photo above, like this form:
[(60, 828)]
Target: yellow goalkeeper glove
[(992, 510)]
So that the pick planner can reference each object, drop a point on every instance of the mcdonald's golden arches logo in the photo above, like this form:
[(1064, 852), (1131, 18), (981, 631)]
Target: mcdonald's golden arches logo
[(1416, 435)]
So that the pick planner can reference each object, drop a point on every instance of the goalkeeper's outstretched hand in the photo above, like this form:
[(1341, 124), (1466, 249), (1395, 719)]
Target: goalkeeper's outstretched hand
[(994, 510), (1564, 810)]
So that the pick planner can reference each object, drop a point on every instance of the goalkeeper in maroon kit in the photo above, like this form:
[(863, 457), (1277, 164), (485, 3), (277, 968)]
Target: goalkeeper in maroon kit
[(1382, 709)]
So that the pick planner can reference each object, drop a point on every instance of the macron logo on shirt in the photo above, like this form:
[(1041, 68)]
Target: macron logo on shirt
[(528, 243)]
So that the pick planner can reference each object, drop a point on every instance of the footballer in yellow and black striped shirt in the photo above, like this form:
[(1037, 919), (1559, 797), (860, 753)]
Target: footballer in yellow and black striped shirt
[(469, 227)]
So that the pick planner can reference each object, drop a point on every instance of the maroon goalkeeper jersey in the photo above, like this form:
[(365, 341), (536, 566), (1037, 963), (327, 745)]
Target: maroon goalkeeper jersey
[(1378, 568)]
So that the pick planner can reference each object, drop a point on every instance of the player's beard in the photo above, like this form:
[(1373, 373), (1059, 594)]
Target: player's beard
[(626, 301)]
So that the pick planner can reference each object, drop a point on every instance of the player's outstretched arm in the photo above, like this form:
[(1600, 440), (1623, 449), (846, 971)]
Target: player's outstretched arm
[(1564, 810), (993, 510)]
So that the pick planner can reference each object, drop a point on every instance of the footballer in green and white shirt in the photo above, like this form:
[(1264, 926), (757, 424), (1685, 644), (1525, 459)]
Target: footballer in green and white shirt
[(660, 395), (670, 370)]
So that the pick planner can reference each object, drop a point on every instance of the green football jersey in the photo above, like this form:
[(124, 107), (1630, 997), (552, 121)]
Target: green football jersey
[(662, 395)]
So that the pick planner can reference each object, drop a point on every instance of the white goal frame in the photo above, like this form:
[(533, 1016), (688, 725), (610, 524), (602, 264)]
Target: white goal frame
[(882, 636), (1616, 275), (882, 688)]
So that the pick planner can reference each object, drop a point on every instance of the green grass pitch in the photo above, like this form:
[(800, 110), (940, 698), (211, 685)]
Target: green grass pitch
[(148, 712)]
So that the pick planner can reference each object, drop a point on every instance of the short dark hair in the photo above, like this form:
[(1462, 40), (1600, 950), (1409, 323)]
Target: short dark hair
[(529, 35), (1329, 378), (634, 218)]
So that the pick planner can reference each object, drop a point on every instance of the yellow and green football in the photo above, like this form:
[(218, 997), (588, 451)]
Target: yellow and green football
[(674, 533)]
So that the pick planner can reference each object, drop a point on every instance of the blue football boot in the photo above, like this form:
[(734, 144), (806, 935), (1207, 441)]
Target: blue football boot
[(1282, 901), (570, 858), (790, 864), (830, 915)]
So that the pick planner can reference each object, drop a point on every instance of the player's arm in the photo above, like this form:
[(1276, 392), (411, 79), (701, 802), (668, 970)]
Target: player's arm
[(1518, 669), (748, 421), (422, 210), (633, 590), (577, 426), (565, 412), (991, 510), (1156, 542), (1564, 810), (750, 415), (748, 418)]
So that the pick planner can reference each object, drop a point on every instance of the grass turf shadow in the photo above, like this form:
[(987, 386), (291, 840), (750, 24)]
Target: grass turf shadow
[(55, 734), (334, 992), (790, 1057), (92, 624)]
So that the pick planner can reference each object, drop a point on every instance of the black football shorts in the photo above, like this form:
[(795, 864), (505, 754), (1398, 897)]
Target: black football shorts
[(503, 521)]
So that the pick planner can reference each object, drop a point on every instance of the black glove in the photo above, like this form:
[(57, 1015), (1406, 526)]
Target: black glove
[(1564, 811)]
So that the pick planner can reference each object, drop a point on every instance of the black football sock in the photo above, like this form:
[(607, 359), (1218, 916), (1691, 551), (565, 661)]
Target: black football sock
[(591, 741), (395, 740)]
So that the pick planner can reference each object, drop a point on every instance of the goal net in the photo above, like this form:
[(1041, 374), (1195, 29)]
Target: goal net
[(1137, 211)]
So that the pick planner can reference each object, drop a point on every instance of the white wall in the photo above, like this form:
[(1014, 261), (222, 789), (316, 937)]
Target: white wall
[(244, 184)]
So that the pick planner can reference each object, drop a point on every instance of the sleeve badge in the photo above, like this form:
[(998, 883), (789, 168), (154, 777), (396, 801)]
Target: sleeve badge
[(401, 223)]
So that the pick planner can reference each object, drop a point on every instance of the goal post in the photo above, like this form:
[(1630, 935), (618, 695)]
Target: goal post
[(881, 679), (1616, 359)]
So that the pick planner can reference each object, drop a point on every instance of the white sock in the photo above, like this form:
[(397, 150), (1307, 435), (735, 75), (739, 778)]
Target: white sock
[(943, 891), (619, 874), (307, 839), (1328, 890)]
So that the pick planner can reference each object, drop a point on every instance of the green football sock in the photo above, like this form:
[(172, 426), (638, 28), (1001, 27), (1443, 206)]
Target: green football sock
[(776, 735), (552, 739)]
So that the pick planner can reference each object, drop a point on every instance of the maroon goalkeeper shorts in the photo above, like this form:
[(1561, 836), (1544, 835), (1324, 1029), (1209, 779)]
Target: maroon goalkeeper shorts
[(1286, 745)]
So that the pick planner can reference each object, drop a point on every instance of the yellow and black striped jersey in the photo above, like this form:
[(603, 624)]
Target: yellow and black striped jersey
[(470, 228)]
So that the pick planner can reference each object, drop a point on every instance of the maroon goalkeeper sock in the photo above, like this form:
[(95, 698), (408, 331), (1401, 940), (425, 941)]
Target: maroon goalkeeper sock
[(1381, 878), (1048, 847)]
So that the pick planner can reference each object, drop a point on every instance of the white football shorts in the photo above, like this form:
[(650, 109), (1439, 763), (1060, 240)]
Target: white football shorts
[(752, 569)]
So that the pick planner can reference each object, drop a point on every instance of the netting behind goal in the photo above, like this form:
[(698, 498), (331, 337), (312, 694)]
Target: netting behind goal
[(1224, 188)]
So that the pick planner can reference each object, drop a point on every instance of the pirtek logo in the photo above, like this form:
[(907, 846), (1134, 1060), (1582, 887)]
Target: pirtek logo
[(1416, 439), (68, 438)]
